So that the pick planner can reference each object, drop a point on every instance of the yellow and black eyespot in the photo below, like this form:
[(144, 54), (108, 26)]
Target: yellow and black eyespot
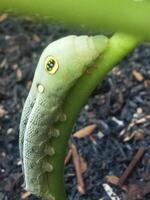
[(51, 65)]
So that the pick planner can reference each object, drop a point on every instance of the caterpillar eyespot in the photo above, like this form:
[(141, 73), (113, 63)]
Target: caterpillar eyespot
[(51, 65), (41, 140)]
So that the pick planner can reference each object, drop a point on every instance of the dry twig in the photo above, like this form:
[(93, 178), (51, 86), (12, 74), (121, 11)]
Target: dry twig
[(131, 166), (76, 162), (68, 157)]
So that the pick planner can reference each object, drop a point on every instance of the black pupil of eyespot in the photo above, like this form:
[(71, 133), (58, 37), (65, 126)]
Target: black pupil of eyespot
[(50, 64)]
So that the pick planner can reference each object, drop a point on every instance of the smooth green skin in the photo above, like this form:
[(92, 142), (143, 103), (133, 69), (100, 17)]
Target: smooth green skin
[(42, 110), (129, 16)]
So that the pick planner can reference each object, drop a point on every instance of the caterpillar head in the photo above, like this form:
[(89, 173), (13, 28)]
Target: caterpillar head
[(64, 61)]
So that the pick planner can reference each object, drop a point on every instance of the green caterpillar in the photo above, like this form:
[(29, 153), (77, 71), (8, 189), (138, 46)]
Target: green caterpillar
[(61, 64)]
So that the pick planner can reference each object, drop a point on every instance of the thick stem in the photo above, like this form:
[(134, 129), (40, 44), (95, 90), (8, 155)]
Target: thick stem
[(130, 16), (120, 45)]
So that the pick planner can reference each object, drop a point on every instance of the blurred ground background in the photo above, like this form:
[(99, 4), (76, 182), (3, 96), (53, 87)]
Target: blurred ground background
[(120, 106)]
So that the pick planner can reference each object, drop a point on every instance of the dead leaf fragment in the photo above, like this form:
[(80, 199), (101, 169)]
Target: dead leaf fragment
[(147, 117), (139, 110), (140, 121), (18, 74), (80, 189), (112, 180), (147, 83), (3, 112), (139, 135), (86, 131), (68, 157), (36, 38), (137, 75), (76, 162), (92, 139), (25, 195), (15, 66), (29, 84), (83, 164), (128, 136), (3, 63), (136, 135), (3, 17)]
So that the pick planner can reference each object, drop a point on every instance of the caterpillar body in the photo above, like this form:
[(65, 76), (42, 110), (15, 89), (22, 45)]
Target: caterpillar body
[(61, 64)]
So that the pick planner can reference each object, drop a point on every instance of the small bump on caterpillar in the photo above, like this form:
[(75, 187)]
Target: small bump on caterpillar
[(53, 132), (61, 117), (47, 167), (49, 151), (49, 196)]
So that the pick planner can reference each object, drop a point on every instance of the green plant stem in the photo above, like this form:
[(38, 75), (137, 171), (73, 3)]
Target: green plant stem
[(119, 46), (130, 16)]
